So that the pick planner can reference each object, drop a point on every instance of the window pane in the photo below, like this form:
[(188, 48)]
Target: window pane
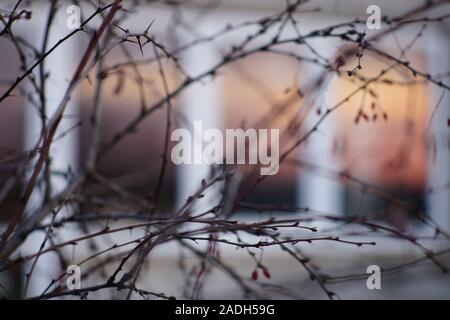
[(383, 138), (260, 92)]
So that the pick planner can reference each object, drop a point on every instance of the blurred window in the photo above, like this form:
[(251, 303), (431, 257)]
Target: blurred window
[(383, 139), (260, 92)]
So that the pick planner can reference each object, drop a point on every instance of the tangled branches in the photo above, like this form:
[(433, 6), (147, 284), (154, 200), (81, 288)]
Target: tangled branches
[(118, 227)]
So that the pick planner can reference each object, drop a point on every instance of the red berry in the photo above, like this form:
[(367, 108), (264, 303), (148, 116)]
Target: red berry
[(266, 273), (255, 275)]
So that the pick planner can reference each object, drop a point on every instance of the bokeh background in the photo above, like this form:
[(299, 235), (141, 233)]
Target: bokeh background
[(394, 141)]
